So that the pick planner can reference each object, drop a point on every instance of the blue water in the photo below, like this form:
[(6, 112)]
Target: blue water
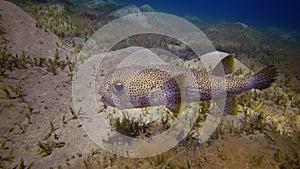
[(258, 13)]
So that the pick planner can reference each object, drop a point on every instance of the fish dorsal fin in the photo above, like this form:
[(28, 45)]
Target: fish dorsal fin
[(231, 105), (227, 63)]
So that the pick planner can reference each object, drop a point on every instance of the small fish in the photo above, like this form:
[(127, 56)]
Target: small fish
[(168, 85)]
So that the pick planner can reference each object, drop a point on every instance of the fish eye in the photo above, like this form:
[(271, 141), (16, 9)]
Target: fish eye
[(118, 87)]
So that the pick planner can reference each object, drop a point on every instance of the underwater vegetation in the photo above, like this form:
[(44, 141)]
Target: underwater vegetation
[(40, 129)]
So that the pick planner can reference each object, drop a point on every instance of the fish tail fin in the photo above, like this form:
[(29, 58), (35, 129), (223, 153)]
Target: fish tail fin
[(265, 77)]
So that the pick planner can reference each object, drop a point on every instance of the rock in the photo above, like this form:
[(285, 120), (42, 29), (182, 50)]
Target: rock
[(193, 19), (243, 25), (23, 33), (76, 40), (212, 30), (176, 48), (130, 9), (287, 37), (146, 8)]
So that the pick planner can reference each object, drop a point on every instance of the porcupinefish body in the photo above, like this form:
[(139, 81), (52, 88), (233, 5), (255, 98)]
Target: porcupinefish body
[(169, 85)]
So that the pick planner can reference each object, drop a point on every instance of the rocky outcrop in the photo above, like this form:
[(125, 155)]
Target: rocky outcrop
[(146, 8), (130, 9)]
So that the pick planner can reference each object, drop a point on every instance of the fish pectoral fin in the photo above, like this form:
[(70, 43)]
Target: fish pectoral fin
[(231, 105), (174, 108), (176, 96), (227, 63)]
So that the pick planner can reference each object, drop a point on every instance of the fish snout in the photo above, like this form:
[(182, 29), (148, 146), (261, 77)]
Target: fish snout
[(106, 101)]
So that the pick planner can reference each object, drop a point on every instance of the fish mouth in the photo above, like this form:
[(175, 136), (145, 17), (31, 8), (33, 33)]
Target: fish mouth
[(106, 101)]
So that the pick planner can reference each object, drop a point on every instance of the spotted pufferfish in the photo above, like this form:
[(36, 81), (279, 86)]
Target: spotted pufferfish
[(168, 85)]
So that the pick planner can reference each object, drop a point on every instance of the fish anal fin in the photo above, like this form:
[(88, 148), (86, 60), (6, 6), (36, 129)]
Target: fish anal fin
[(231, 105), (174, 108)]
